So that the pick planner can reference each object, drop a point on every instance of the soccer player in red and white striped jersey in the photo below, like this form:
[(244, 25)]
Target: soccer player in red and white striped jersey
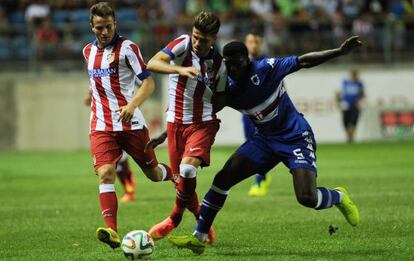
[(117, 123), (197, 76), (123, 170)]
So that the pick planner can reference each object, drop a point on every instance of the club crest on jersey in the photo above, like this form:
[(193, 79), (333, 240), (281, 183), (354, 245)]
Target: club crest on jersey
[(205, 79), (255, 79), (258, 116), (110, 57)]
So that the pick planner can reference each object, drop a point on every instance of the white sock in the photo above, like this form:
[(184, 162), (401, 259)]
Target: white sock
[(201, 236)]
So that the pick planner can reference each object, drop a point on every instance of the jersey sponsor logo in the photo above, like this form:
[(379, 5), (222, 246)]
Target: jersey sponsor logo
[(271, 62), (194, 149), (102, 72), (301, 162), (205, 80), (255, 79)]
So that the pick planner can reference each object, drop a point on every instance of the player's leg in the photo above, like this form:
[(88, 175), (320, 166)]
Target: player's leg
[(251, 157), (106, 153), (195, 152), (311, 196), (349, 128), (109, 206), (236, 169), (301, 160), (175, 151), (352, 122), (258, 188), (133, 143), (127, 178)]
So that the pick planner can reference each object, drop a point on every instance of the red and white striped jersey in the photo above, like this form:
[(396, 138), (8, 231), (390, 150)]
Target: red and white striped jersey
[(112, 73), (190, 99)]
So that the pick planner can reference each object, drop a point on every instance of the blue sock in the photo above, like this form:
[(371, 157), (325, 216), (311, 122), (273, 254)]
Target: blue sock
[(212, 203), (327, 198), (259, 178)]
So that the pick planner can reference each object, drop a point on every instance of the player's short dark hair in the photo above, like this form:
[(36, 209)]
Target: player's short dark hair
[(102, 9), (207, 23), (235, 48)]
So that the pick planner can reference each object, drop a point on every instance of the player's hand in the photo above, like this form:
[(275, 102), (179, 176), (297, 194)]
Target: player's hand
[(87, 100), (349, 44), (154, 142), (126, 113), (189, 72)]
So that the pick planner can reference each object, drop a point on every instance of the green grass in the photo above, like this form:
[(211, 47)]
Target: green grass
[(49, 209)]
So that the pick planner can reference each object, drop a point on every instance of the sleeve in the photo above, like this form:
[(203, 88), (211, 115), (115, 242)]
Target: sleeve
[(283, 66), (135, 61), (86, 51), (177, 46)]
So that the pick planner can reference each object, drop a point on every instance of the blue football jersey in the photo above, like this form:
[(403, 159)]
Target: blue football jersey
[(351, 92), (263, 97)]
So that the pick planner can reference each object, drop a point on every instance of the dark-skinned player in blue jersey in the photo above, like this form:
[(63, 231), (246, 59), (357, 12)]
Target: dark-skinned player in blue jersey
[(255, 88)]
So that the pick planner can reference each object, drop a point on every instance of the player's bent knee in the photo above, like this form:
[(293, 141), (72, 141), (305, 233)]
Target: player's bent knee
[(106, 174), (188, 171), (154, 174), (222, 182), (307, 200)]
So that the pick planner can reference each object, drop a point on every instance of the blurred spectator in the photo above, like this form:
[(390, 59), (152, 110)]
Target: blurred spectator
[(193, 7), (363, 27), (150, 11), (46, 40), (241, 8), (394, 31), (288, 8), (387, 26), (39, 9), (276, 37), (263, 9), (351, 8), (4, 24), (171, 8), (227, 29), (338, 25)]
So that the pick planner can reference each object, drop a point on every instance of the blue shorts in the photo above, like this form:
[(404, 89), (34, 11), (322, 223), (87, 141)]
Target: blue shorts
[(299, 152), (248, 127)]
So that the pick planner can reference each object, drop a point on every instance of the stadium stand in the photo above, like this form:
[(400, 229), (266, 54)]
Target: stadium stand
[(287, 26)]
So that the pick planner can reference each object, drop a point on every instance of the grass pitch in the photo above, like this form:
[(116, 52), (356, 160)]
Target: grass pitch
[(49, 209)]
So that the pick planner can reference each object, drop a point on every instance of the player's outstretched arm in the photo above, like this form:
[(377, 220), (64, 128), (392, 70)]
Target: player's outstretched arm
[(160, 63), (154, 142), (315, 58), (146, 89)]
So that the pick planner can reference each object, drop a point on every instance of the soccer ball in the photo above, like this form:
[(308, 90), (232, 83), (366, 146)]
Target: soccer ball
[(137, 244)]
